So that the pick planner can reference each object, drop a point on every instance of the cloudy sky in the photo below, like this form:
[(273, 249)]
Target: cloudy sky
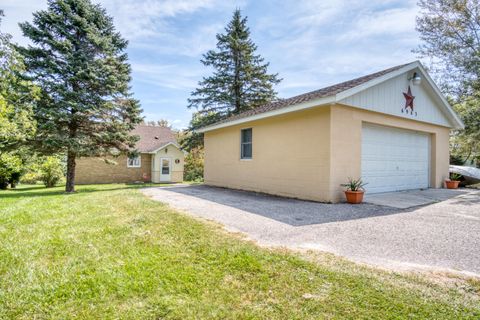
[(311, 44)]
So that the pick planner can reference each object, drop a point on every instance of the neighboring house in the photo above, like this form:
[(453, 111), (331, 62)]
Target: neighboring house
[(160, 159), (390, 128)]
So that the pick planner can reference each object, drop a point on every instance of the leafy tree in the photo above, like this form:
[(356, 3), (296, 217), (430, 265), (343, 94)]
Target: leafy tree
[(449, 30), (465, 145), (190, 139), (79, 61), (450, 34), (194, 165), (17, 97), (10, 170), (240, 80), (51, 171)]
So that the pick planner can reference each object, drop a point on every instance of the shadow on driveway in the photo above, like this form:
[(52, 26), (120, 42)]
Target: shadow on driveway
[(290, 211)]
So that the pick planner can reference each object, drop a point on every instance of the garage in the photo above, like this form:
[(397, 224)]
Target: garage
[(394, 159), (390, 128)]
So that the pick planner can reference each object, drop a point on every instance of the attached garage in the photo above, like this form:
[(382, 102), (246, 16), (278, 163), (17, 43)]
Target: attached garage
[(394, 159), (390, 128)]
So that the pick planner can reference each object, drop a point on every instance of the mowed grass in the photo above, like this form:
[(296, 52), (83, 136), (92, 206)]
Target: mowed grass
[(108, 252)]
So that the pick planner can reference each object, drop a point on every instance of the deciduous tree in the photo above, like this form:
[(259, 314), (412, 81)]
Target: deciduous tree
[(17, 97), (450, 34)]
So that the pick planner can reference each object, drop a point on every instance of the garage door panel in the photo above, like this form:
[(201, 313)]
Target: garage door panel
[(394, 159)]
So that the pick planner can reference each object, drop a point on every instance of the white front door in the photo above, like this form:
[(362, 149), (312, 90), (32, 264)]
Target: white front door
[(165, 169), (394, 159)]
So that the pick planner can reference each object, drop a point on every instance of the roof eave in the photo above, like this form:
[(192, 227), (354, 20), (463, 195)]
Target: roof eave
[(268, 114), (456, 122), (166, 145)]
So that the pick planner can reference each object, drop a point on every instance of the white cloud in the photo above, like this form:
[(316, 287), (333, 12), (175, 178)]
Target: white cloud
[(311, 43), (169, 76), (19, 11), (393, 22), (140, 19)]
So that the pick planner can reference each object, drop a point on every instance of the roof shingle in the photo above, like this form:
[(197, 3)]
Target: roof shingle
[(317, 94), (152, 137)]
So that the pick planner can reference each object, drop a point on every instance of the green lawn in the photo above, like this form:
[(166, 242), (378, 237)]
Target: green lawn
[(108, 252)]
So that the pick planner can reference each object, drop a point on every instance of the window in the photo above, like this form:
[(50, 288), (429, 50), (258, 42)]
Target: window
[(165, 166), (246, 144), (133, 162)]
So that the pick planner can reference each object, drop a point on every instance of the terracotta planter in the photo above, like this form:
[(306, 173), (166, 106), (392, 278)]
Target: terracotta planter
[(452, 184), (354, 197)]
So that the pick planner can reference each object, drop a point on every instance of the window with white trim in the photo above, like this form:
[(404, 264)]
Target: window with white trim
[(246, 144), (134, 162)]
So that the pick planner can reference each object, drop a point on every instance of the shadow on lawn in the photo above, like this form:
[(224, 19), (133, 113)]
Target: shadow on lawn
[(41, 191), (26, 192)]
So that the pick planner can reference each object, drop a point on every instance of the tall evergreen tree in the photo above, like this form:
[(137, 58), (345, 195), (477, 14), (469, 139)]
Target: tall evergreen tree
[(79, 61), (240, 81)]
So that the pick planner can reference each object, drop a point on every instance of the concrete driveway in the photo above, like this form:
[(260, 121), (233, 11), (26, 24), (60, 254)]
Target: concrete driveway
[(444, 235)]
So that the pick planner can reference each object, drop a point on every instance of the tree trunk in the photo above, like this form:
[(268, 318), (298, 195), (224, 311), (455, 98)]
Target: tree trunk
[(236, 84), (70, 186)]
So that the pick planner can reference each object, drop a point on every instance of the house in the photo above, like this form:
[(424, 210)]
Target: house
[(391, 128), (160, 159)]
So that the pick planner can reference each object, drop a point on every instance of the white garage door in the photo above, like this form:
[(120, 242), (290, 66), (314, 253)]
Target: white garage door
[(394, 159)]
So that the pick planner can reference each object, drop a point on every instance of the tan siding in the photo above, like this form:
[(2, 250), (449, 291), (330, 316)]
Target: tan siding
[(346, 133), (172, 153), (290, 156), (95, 170), (308, 154)]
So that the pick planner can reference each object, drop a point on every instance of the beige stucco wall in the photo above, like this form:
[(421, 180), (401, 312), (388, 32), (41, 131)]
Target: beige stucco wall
[(346, 134), (95, 170), (290, 156), (173, 153), (307, 154)]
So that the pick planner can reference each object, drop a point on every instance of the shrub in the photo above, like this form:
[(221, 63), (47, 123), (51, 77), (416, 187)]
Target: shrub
[(51, 171), (10, 170), (30, 178), (456, 160), (193, 170)]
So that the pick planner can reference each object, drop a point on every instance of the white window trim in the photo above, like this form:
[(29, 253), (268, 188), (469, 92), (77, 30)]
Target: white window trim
[(139, 157), (242, 158)]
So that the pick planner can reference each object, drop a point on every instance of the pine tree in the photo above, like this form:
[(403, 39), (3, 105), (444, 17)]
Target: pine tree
[(79, 62), (240, 81)]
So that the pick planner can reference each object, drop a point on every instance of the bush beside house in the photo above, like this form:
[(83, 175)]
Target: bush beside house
[(193, 170)]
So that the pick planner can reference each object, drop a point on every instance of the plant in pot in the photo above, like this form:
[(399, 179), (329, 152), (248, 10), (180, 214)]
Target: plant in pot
[(355, 191), (454, 181)]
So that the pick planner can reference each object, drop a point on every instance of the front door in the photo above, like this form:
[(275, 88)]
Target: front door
[(165, 169)]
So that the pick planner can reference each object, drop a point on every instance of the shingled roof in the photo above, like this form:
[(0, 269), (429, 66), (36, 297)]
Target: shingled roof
[(153, 137), (317, 94)]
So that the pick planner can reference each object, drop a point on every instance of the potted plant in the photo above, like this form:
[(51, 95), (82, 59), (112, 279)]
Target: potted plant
[(454, 181), (355, 191)]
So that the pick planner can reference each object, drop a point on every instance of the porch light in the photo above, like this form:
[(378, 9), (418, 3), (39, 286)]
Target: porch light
[(416, 79)]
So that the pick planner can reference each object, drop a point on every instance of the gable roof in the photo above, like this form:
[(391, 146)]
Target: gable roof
[(332, 94), (153, 138)]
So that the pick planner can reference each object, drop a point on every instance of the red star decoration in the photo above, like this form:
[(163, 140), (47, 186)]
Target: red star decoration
[(408, 98)]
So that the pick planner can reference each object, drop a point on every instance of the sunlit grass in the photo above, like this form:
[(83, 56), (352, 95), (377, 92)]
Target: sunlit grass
[(108, 252)]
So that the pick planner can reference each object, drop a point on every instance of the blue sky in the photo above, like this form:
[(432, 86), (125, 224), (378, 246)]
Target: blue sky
[(311, 44)]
